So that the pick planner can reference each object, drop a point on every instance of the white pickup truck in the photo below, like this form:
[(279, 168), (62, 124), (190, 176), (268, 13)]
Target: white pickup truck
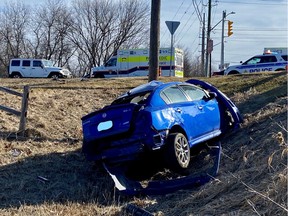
[(269, 61), (19, 68)]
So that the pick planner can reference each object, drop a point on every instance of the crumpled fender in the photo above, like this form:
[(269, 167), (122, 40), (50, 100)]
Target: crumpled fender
[(222, 99)]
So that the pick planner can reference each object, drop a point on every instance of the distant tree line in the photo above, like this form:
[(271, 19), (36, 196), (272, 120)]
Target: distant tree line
[(78, 35)]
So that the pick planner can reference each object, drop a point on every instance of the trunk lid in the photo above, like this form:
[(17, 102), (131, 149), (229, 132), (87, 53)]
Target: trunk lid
[(109, 121)]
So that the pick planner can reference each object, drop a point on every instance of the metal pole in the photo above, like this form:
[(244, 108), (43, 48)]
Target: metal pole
[(203, 46), (222, 42), (171, 50), (208, 39)]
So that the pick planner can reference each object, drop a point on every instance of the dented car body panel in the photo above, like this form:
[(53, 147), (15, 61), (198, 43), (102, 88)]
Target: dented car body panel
[(141, 120), (167, 119)]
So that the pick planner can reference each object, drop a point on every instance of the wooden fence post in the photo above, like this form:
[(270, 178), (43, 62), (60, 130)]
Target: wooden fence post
[(24, 108)]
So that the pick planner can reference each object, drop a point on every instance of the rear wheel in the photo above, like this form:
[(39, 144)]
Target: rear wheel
[(177, 152), (16, 75), (233, 72)]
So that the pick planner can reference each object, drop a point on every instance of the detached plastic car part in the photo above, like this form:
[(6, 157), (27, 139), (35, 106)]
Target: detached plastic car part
[(162, 119)]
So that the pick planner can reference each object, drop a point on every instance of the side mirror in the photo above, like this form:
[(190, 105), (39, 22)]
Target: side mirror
[(211, 96)]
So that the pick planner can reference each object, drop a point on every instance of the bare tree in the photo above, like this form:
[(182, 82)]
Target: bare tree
[(49, 36), (79, 35), (13, 26), (188, 64), (192, 65), (101, 27)]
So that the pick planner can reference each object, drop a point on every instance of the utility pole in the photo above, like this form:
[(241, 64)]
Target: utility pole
[(222, 42), (222, 36), (154, 40), (208, 42), (203, 46)]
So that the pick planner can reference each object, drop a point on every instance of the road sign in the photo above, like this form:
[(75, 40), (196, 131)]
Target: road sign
[(172, 26), (210, 46)]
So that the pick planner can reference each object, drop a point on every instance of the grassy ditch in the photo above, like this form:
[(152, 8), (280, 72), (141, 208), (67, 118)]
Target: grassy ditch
[(46, 174)]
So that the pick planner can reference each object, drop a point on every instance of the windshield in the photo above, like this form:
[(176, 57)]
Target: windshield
[(48, 63)]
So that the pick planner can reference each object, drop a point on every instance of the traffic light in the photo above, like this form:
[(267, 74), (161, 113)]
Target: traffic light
[(230, 28)]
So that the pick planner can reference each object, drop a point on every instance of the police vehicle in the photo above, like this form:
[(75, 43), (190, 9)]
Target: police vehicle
[(269, 61)]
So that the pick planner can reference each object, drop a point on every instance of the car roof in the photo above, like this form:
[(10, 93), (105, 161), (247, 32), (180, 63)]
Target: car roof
[(147, 87)]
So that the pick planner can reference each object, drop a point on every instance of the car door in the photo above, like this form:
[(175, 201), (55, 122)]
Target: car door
[(26, 68), (186, 113), (37, 69), (208, 110)]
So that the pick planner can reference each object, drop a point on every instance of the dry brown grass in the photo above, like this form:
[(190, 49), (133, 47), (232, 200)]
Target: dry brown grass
[(253, 169)]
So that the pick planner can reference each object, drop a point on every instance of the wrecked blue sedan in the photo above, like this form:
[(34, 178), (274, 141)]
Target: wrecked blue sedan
[(169, 118)]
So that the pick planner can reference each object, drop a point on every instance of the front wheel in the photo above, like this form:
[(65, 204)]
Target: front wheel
[(280, 69), (54, 76), (177, 151)]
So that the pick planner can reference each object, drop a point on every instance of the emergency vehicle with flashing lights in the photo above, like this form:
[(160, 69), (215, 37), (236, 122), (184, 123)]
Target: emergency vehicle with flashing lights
[(280, 50), (135, 62), (269, 61)]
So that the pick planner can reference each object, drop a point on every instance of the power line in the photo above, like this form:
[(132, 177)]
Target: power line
[(181, 28), (250, 3), (178, 9), (257, 30), (188, 20), (166, 30)]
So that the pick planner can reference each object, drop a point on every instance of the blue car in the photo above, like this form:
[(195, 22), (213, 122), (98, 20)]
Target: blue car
[(168, 118)]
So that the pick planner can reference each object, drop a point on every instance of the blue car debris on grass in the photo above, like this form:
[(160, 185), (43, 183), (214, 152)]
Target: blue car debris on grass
[(159, 124)]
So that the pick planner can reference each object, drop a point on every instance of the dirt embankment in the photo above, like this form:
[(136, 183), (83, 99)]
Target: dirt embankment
[(253, 170)]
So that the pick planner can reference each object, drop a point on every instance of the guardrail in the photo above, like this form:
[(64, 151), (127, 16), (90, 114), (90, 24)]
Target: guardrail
[(24, 107)]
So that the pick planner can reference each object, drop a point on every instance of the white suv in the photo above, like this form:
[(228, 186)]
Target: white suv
[(260, 63), (19, 68)]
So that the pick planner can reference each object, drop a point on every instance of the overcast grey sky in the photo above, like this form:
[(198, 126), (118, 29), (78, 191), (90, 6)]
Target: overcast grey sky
[(257, 24)]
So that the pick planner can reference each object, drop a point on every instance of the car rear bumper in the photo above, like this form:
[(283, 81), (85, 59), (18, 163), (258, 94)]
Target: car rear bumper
[(116, 151)]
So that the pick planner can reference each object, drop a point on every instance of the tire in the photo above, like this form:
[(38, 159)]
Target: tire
[(16, 75), (177, 152), (99, 76), (280, 69), (54, 76)]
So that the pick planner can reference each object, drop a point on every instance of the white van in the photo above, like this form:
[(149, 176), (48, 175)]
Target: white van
[(19, 68)]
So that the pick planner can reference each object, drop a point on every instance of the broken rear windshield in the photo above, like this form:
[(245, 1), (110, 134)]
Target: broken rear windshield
[(136, 98)]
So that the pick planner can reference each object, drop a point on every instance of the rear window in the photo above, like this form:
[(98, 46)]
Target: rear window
[(137, 98), (284, 57), (15, 63)]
